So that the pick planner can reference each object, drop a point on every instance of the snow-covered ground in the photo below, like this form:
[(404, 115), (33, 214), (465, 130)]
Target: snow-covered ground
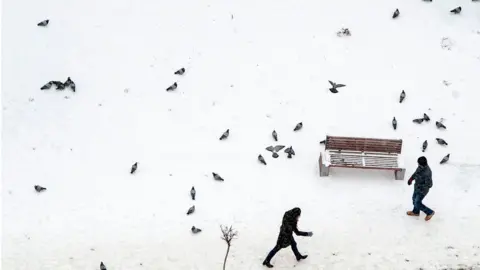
[(251, 66)]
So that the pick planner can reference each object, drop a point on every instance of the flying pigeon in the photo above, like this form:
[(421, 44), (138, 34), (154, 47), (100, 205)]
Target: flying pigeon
[(196, 230), (440, 125), (425, 117), (102, 266), (217, 177), (276, 148), (402, 96), (445, 159), (47, 86), (262, 160), (39, 188), (180, 71), (456, 10), (134, 168), (43, 23), (424, 146), (193, 192), (69, 83), (191, 210), (274, 135), (441, 141), (396, 13), (225, 135), (59, 85), (335, 86), (418, 120), (172, 87), (394, 123), (298, 126)]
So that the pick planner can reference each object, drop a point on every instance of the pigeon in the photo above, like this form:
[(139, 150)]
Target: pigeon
[(441, 141), (69, 83), (394, 123), (46, 86), (262, 160), (276, 148), (191, 210), (39, 188), (426, 118), (225, 135), (418, 120), (445, 159), (102, 266), (335, 86), (59, 85), (217, 177), (402, 96), (193, 192), (196, 230), (290, 152), (134, 168), (440, 125), (43, 23), (274, 155), (396, 13), (424, 145), (180, 71), (456, 10), (427, 0), (275, 136), (298, 126), (323, 142), (172, 87)]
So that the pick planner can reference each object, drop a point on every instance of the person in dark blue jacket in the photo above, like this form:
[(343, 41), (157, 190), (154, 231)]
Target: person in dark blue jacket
[(423, 183), (285, 237)]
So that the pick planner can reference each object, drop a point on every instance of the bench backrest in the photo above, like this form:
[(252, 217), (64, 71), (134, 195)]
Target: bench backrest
[(363, 144)]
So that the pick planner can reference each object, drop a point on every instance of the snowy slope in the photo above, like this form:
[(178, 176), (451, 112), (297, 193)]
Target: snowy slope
[(252, 66)]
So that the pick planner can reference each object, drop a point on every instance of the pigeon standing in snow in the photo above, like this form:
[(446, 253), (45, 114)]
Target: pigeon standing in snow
[(134, 168), (456, 10), (426, 118), (424, 145), (217, 177), (275, 135), (298, 126), (39, 188), (394, 123), (441, 141), (70, 83), (440, 125), (172, 87), (418, 120), (225, 135), (396, 13), (290, 152), (102, 266), (43, 23), (180, 71), (402, 96), (47, 86), (335, 86), (191, 210), (445, 159), (196, 230), (427, 0), (262, 160), (193, 192)]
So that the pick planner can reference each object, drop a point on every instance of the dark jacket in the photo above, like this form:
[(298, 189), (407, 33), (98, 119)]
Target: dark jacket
[(289, 226), (423, 179)]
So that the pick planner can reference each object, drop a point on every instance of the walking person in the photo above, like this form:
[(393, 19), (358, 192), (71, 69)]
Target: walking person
[(423, 183), (285, 237)]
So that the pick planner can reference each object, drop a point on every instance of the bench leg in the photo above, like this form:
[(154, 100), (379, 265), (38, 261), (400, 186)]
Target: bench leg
[(400, 175), (324, 170)]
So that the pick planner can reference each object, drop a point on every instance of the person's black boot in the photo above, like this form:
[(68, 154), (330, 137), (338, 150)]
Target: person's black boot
[(267, 264), (302, 257)]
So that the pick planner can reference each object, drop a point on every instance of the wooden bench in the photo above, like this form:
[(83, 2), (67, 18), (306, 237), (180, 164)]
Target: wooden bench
[(361, 153)]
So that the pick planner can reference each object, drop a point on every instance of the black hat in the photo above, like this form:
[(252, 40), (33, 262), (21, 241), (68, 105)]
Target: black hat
[(422, 161)]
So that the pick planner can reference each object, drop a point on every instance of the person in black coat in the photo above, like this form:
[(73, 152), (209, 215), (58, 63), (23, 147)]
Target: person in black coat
[(285, 237), (423, 183)]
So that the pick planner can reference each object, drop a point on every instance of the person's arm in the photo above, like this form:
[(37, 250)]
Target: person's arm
[(414, 176), (297, 232)]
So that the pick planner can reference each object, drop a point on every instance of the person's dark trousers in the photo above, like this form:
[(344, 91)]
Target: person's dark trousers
[(277, 248), (418, 204)]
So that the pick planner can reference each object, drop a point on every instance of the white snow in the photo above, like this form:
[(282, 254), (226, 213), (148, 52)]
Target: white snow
[(251, 66)]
